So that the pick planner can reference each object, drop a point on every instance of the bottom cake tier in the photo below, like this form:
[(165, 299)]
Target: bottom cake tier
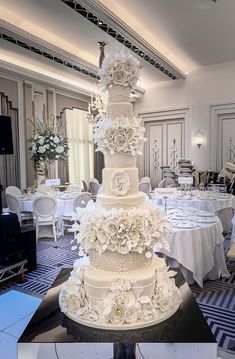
[(121, 300)]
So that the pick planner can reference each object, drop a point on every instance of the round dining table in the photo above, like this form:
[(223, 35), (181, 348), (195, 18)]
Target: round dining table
[(221, 204), (195, 244)]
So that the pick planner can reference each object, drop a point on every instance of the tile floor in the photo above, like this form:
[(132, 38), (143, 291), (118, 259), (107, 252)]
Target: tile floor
[(16, 310)]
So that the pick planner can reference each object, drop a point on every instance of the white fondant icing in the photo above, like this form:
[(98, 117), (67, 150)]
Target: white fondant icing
[(127, 202), (125, 178), (119, 160)]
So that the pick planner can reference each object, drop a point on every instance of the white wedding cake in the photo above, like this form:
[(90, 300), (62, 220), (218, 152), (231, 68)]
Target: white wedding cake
[(123, 284)]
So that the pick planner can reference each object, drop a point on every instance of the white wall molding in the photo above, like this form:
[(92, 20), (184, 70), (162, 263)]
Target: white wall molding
[(217, 111), (22, 135), (165, 115)]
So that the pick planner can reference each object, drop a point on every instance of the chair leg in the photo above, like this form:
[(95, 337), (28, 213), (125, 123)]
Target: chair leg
[(62, 227), (54, 232), (37, 233)]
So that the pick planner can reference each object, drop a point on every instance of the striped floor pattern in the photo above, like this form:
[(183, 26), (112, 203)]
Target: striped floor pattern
[(216, 299)]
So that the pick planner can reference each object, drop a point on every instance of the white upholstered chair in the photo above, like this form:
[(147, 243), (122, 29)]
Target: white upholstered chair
[(13, 204), (44, 208), (80, 201), (94, 187), (13, 190), (85, 187), (144, 187)]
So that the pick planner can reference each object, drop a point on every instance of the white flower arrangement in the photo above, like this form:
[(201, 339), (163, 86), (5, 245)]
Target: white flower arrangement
[(112, 137), (119, 230), (120, 183), (48, 144), (119, 69), (121, 305)]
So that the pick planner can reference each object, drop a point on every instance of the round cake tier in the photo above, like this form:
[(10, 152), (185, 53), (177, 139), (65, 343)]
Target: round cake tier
[(119, 160), (127, 202), (120, 301), (120, 182), (118, 94), (120, 109), (117, 262), (98, 282)]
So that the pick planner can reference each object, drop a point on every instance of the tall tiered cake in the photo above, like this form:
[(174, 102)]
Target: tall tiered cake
[(123, 284)]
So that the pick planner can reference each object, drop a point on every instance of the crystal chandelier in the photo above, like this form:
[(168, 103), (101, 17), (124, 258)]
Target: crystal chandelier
[(97, 106)]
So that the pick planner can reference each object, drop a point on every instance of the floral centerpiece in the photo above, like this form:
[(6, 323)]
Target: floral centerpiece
[(48, 144)]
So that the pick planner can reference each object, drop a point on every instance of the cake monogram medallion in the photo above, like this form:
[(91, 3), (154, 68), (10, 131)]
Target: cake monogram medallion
[(120, 183)]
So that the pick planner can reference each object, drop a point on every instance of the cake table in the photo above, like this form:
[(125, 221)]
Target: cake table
[(186, 333)]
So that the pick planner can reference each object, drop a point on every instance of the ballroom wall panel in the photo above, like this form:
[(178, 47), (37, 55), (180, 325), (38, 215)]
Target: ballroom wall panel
[(203, 89)]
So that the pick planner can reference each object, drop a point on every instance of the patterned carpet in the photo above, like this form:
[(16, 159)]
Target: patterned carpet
[(216, 299)]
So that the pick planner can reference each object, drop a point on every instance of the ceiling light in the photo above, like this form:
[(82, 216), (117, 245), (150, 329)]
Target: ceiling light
[(100, 22)]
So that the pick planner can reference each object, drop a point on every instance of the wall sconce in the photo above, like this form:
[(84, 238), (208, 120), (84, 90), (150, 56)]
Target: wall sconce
[(199, 138)]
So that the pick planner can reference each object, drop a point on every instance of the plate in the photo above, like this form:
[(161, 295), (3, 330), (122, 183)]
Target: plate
[(205, 214), (186, 225), (206, 220)]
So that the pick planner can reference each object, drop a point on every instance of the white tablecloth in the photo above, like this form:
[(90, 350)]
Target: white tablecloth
[(64, 204), (220, 204), (198, 252)]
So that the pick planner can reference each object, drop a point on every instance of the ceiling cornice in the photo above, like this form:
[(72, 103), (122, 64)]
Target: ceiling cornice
[(17, 73), (107, 21), (36, 45)]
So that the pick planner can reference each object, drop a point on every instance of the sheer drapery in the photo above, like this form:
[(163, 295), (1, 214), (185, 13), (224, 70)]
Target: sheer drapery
[(81, 148), (10, 164)]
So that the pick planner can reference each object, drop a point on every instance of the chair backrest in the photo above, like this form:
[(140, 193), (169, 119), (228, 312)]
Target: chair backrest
[(85, 187), (169, 182), (13, 203), (94, 180), (144, 187), (13, 190), (44, 206), (145, 180), (94, 187), (81, 200), (161, 184)]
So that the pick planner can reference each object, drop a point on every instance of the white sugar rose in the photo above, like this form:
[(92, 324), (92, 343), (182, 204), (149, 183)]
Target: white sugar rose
[(41, 149), (110, 227), (131, 315), (117, 315), (59, 149), (119, 77)]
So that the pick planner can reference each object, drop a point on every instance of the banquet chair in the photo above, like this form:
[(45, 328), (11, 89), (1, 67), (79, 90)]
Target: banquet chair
[(167, 182), (85, 187), (13, 190), (13, 204), (94, 187), (146, 180), (44, 208), (80, 201), (143, 187)]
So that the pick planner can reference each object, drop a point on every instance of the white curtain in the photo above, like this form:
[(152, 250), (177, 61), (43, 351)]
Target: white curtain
[(81, 148)]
